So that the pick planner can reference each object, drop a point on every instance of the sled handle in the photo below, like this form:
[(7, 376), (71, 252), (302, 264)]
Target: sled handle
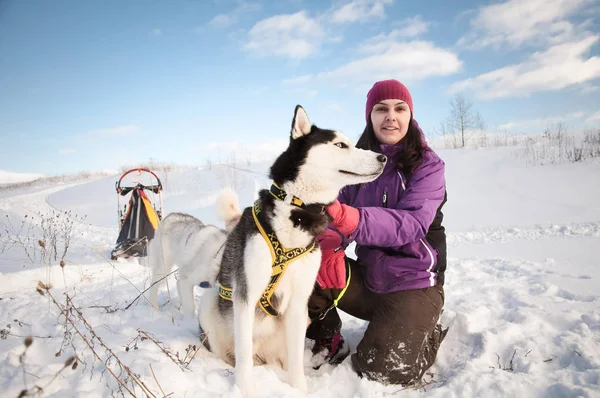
[(139, 170)]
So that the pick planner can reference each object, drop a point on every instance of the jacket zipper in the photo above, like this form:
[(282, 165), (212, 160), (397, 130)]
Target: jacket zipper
[(385, 197)]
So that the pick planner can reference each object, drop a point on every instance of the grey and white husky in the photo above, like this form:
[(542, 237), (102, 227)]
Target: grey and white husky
[(282, 224), (195, 248)]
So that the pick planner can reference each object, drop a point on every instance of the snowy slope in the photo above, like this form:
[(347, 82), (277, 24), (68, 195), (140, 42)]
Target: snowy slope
[(522, 301), (7, 177)]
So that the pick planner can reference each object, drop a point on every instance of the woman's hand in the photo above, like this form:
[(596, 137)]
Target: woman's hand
[(332, 273), (345, 218)]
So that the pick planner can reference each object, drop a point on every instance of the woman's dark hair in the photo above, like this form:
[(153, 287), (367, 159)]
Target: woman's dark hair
[(409, 158)]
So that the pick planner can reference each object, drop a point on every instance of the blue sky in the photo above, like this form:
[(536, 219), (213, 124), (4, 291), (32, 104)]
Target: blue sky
[(94, 85)]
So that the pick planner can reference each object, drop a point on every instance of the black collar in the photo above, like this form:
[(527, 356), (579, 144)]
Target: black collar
[(280, 194)]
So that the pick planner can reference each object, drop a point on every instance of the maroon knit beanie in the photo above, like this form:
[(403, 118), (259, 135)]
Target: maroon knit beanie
[(384, 90)]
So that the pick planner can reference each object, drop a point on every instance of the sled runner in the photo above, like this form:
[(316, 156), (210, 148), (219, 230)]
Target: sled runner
[(139, 218)]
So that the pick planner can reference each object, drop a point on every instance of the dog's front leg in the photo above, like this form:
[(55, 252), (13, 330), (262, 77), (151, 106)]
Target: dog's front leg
[(243, 318), (186, 297), (295, 331)]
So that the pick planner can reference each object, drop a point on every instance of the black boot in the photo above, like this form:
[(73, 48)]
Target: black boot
[(336, 346)]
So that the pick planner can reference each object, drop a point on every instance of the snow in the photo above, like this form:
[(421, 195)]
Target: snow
[(7, 177), (522, 301)]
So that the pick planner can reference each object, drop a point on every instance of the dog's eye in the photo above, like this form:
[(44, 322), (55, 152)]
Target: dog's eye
[(341, 145)]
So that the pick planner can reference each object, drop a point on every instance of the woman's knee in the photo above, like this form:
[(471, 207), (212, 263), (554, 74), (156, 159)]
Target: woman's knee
[(396, 347), (389, 368)]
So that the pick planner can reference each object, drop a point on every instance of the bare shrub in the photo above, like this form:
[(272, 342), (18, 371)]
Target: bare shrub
[(247, 155), (21, 236), (183, 361), (128, 381), (229, 173), (450, 140), (85, 345), (43, 238), (37, 389), (591, 143), (500, 140), (233, 172), (57, 232), (483, 139), (557, 145)]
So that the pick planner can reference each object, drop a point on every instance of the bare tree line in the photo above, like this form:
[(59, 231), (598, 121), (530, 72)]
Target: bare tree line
[(464, 126)]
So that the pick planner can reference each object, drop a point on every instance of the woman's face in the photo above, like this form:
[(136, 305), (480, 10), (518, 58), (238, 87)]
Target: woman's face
[(390, 120)]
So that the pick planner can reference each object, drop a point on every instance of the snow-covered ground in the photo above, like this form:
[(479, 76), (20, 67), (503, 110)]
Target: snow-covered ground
[(7, 177), (522, 301)]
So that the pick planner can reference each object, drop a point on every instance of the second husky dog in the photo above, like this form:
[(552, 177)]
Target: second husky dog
[(195, 248), (258, 312)]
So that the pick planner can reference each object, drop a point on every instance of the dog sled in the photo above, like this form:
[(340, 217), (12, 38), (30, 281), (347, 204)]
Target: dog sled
[(139, 217)]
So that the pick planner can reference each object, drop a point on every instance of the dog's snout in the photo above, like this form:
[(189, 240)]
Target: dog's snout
[(382, 158)]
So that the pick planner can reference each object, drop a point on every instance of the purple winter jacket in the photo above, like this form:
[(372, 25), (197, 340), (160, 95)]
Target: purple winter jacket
[(395, 215)]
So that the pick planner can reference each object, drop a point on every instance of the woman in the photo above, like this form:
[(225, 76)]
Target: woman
[(396, 283)]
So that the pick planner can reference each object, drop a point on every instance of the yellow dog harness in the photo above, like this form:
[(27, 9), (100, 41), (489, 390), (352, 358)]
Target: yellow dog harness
[(282, 257)]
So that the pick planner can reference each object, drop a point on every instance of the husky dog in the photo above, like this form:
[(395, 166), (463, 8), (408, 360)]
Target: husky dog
[(195, 248), (235, 322)]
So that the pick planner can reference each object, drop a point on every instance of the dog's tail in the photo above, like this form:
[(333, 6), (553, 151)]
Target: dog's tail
[(228, 208)]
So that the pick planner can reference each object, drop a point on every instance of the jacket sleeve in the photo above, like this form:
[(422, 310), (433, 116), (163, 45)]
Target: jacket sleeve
[(346, 194), (412, 217)]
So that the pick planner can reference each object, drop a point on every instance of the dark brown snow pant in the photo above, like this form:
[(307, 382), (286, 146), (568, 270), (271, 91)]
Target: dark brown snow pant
[(401, 340)]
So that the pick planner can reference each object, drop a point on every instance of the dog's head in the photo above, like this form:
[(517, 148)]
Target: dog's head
[(319, 162)]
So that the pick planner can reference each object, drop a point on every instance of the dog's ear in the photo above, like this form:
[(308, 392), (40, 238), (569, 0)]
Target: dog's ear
[(300, 125)]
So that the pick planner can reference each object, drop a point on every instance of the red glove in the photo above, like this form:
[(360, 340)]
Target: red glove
[(332, 273), (345, 218)]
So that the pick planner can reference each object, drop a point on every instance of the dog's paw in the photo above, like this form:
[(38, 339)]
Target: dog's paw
[(246, 389), (302, 386), (298, 382)]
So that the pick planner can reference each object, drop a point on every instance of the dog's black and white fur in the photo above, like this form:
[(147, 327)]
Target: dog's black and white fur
[(315, 166)]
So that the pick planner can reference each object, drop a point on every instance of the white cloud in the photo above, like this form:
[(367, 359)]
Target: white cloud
[(115, 131), (156, 32), (292, 35), (223, 21), (407, 61), (359, 11), (593, 117), (411, 27), (507, 126), (385, 57), (558, 67), (575, 115), (517, 23)]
